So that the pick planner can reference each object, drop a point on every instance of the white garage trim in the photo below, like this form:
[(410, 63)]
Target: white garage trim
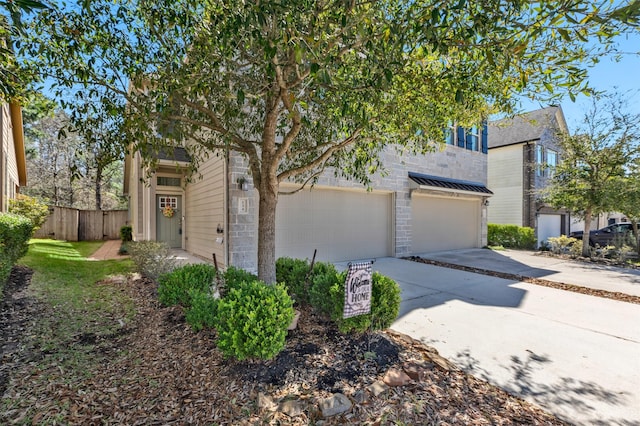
[(440, 223), (342, 224)]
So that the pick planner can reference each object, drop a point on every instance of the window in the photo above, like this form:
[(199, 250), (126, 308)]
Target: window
[(168, 202), (472, 137), (168, 181), (552, 161), (539, 160), (450, 135)]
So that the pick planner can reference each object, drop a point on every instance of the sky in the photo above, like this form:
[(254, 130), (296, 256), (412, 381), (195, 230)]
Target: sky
[(610, 76)]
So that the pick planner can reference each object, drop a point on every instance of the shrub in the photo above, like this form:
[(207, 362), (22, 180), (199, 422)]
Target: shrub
[(327, 295), (293, 273), (252, 320), (30, 208), (511, 236), (202, 310), (233, 277), (152, 258), (15, 232), (175, 287), (325, 276), (562, 244), (126, 233)]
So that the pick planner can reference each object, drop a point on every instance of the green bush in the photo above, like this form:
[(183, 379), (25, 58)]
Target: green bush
[(30, 208), (233, 277), (511, 236), (202, 310), (151, 258), (325, 276), (175, 287), (327, 295), (293, 273), (15, 232), (252, 320), (563, 244), (126, 233)]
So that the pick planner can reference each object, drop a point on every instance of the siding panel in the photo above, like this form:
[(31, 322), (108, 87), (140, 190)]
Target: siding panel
[(505, 179), (205, 211)]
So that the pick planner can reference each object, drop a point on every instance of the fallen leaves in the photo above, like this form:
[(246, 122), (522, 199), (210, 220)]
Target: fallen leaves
[(156, 370)]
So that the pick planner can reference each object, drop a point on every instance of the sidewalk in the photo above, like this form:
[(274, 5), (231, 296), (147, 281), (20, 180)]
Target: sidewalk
[(107, 251)]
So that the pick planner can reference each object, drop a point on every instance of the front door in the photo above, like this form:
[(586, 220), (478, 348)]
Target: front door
[(169, 220)]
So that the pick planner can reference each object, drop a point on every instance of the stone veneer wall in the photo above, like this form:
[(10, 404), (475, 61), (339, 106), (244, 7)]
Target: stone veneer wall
[(451, 162)]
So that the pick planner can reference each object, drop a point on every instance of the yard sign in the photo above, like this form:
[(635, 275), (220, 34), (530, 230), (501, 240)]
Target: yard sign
[(357, 290)]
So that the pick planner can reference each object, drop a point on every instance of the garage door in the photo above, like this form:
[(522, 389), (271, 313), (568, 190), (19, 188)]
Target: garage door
[(441, 223), (342, 225), (548, 226)]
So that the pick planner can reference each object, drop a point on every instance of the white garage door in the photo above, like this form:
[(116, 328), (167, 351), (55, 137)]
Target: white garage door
[(342, 225), (441, 223), (548, 226)]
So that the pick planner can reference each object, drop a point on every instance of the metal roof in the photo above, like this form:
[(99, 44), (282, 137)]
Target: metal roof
[(445, 183)]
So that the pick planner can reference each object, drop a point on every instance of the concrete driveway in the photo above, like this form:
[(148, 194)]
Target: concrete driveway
[(576, 356)]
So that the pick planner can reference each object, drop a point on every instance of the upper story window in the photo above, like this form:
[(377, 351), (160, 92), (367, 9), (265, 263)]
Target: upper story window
[(473, 139), (546, 161), (551, 161)]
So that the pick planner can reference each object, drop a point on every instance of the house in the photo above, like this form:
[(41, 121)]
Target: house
[(423, 203), (13, 165), (522, 154)]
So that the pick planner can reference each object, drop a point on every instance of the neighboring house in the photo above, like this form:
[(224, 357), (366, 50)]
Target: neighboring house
[(13, 165), (523, 152), (424, 203)]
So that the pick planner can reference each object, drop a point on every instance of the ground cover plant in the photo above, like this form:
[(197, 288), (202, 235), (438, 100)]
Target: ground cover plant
[(92, 348)]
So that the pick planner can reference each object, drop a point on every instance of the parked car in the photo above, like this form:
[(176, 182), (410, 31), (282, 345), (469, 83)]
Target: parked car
[(607, 235)]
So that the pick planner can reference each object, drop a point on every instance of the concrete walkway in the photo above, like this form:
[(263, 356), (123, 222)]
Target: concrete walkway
[(538, 265), (575, 355)]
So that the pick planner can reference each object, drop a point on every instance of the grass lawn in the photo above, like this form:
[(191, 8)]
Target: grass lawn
[(73, 307)]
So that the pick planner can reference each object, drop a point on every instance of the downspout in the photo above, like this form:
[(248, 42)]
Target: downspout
[(227, 179)]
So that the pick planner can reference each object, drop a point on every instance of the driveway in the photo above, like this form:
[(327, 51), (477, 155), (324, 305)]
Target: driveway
[(575, 355)]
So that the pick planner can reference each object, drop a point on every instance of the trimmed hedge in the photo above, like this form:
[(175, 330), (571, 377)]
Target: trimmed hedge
[(176, 287), (511, 236), (15, 232), (327, 295), (252, 320)]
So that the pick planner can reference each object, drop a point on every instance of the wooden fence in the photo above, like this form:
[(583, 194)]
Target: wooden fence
[(83, 225)]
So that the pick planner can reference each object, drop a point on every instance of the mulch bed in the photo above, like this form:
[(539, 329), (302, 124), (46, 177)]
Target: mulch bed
[(156, 370), (615, 295)]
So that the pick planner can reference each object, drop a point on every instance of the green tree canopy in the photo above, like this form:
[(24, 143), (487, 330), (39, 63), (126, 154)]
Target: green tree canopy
[(593, 159), (302, 86)]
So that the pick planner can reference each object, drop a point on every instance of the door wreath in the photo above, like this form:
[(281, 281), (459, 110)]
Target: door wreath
[(168, 211)]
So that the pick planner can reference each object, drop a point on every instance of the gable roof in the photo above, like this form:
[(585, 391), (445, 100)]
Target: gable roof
[(526, 127), (18, 141)]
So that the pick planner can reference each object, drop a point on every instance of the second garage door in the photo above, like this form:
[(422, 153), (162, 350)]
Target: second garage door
[(342, 225), (444, 223)]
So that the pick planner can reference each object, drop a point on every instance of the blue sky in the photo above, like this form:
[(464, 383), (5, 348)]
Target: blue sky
[(610, 76)]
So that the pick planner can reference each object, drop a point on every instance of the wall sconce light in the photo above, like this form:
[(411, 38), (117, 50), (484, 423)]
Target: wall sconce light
[(485, 203), (219, 229), (243, 184)]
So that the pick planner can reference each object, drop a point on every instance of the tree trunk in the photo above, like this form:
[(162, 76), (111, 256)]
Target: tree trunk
[(634, 228), (586, 250), (98, 188), (268, 194)]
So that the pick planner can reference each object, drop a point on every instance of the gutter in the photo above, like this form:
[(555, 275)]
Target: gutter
[(18, 141)]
